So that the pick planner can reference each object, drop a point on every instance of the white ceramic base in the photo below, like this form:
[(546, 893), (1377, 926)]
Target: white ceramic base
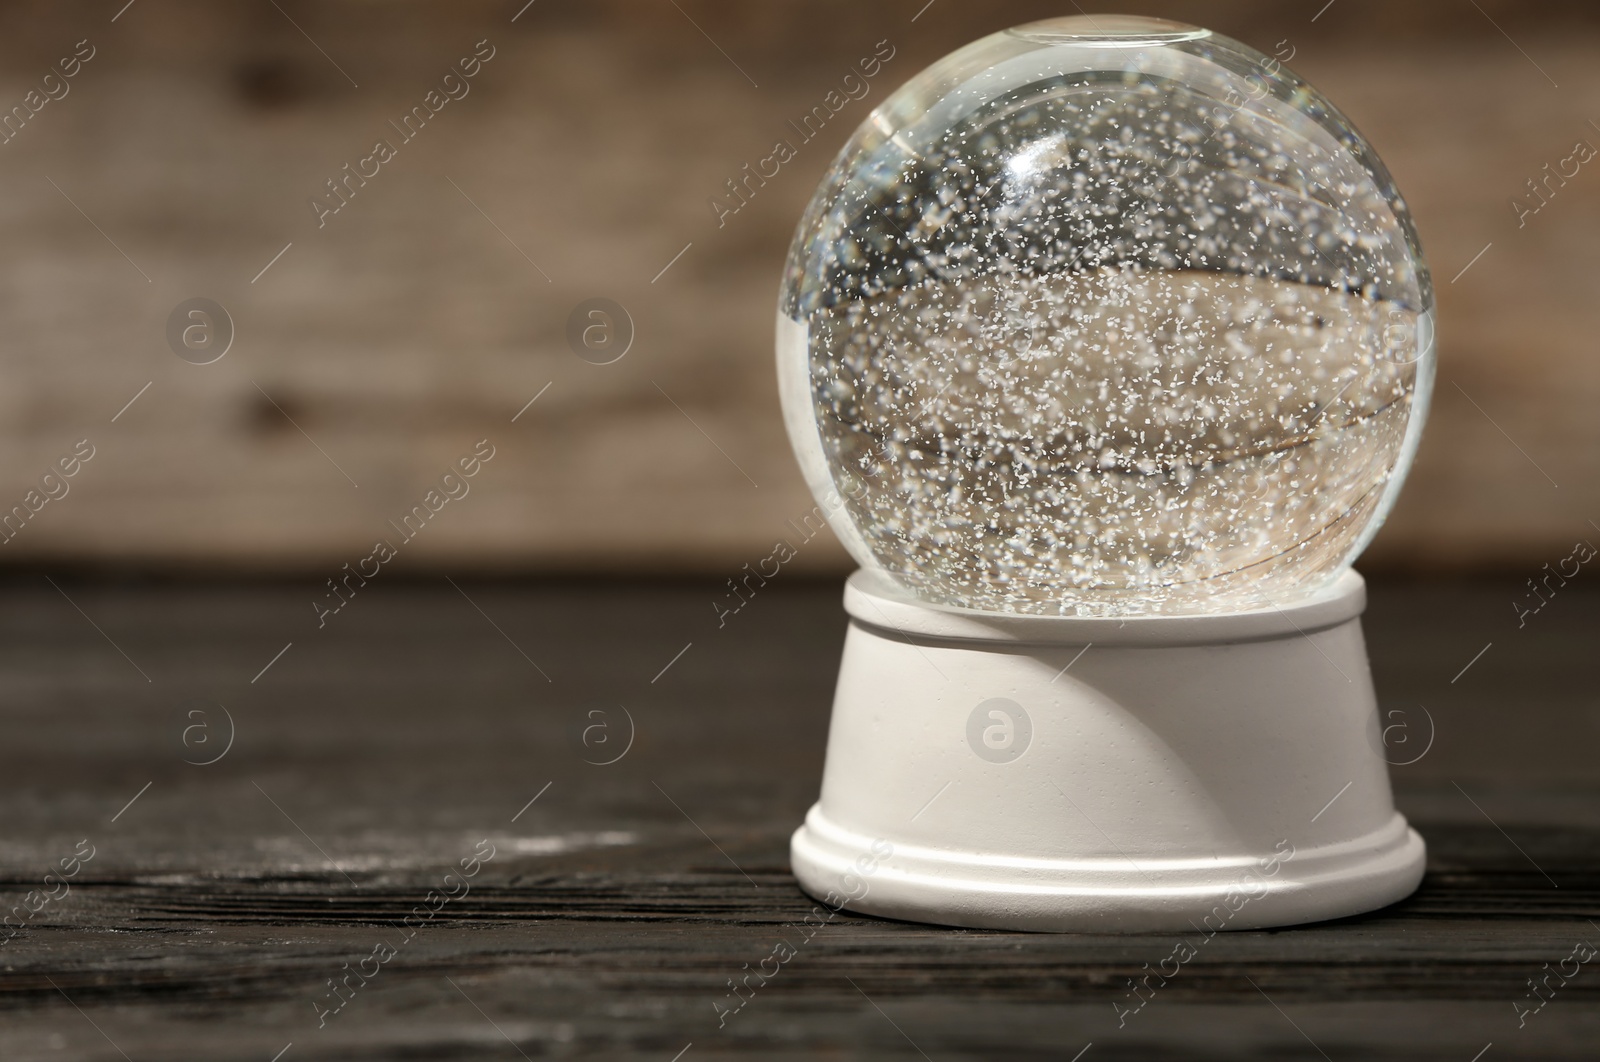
[(1195, 772)]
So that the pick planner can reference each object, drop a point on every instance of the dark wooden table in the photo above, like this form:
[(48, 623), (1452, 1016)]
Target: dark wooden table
[(378, 753)]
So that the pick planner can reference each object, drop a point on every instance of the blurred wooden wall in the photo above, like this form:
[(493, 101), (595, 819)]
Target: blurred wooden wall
[(384, 344)]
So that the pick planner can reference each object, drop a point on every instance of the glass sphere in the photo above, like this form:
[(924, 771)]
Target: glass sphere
[(1106, 316)]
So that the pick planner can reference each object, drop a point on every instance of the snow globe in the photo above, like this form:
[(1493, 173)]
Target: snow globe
[(1105, 345)]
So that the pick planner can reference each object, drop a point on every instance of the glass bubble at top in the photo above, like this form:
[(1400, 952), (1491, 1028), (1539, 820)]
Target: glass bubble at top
[(1106, 316)]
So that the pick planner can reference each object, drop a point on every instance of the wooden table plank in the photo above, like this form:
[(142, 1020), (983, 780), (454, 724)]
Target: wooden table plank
[(378, 752)]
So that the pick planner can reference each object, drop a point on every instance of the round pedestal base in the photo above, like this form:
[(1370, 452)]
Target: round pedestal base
[(1149, 774)]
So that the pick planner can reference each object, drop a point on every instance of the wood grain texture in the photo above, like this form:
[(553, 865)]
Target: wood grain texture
[(377, 752), (427, 312)]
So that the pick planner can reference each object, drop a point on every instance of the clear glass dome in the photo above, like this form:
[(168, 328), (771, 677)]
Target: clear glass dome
[(1106, 316)]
